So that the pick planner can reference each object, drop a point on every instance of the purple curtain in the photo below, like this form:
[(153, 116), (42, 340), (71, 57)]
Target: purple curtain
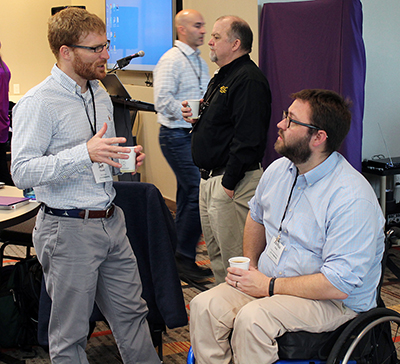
[(314, 44)]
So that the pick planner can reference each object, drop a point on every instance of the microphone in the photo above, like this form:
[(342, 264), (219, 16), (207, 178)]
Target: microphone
[(126, 60)]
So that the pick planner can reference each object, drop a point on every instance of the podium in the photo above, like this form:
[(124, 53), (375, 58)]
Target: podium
[(125, 112)]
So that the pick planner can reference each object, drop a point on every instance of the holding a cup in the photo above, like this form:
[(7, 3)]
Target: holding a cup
[(129, 165), (240, 262), (195, 106)]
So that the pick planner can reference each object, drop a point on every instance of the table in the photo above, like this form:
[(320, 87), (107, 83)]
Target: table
[(383, 173), (10, 218), (16, 216)]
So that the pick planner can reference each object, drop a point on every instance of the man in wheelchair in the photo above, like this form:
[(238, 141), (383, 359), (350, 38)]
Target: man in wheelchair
[(315, 237)]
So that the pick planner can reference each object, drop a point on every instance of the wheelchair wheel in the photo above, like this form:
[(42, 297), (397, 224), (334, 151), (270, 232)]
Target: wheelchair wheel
[(371, 338)]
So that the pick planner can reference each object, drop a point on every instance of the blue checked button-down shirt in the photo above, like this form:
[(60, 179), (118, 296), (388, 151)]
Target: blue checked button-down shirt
[(333, 225), (49, 152), (181, 74)]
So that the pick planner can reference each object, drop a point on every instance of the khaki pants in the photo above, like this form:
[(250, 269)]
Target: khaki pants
[(254, 323), (223, 218)]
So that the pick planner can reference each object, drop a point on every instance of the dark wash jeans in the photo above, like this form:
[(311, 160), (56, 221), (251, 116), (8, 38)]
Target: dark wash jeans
[(176, 147)]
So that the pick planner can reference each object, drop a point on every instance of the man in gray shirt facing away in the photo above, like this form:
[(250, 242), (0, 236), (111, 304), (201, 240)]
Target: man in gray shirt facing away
[(181, 74)]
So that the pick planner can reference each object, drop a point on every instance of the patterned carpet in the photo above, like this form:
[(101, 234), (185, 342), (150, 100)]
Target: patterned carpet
[(102, 349)]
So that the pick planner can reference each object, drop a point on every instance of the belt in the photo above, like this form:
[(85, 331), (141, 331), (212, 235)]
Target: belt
[(205, 174), (212, 173), (80, 214)]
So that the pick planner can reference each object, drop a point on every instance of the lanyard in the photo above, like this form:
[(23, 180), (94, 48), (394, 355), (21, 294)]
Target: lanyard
[(198, 75), (287, 205), (92, 126), (211, 90), (206, 103)]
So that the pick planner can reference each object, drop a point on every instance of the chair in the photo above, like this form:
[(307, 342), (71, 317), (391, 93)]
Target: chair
[(20, 235), (151, 232), (368, 338)]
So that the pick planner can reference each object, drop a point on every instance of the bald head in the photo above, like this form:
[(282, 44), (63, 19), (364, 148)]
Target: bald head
[(185, 16), (190, 28)]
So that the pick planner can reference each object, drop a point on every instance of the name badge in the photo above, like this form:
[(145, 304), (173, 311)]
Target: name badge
[(102, 172), (275, 250)]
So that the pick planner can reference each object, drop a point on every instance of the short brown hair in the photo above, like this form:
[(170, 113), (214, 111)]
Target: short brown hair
[(329, 112), (239, 29), (69, 25)]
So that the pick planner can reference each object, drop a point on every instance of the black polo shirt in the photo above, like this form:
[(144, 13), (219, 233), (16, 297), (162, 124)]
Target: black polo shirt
[(232, 130)]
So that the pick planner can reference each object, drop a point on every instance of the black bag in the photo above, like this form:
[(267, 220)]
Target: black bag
[(19, 303)]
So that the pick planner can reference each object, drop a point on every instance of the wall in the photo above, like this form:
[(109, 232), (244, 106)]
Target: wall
[(382, 42), (211, 10), (156, 170), (381, 34), (23, 33)]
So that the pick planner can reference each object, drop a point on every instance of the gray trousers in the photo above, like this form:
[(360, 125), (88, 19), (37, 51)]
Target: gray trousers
[(88, 260), (254, 323), (223, 219)]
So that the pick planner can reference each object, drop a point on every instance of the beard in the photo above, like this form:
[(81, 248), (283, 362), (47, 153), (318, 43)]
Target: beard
[(213, 57), (89, 70), (299, 152)]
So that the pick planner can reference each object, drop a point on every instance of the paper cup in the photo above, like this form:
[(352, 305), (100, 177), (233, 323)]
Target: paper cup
[(129, 165), (240, 262), (195, 106)]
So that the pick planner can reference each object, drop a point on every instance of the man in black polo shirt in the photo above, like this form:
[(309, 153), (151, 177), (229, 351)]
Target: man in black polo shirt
[(229, 140)]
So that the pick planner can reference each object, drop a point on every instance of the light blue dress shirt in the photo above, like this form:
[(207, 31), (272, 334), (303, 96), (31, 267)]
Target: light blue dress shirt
[(333, 225), (49, 152), (181, 74)]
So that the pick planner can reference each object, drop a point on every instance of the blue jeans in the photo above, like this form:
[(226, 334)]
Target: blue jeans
[(176, 147)]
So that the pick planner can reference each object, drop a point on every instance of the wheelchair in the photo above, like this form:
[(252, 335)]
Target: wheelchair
[(373, 337)]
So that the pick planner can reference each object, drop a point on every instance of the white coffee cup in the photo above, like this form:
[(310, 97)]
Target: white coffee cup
[(240, 262), (129, 165), (195, 106)]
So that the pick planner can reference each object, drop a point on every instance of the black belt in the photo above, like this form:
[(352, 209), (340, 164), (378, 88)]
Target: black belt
[(219, 171), (80, 214)]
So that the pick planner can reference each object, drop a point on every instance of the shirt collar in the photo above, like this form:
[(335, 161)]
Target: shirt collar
[(68, 83), (323, 169), (225, 69), (186, 49)]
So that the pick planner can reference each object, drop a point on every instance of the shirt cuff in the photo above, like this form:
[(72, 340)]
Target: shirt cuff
[(82, 158)]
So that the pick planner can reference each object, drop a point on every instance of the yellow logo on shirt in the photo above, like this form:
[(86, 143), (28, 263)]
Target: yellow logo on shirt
[(223, 89)]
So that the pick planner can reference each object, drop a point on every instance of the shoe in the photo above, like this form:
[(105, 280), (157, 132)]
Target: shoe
[(187, 268)]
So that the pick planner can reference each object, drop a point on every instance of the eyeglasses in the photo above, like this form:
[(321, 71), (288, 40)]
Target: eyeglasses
[(289, 120), (97, 49)]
